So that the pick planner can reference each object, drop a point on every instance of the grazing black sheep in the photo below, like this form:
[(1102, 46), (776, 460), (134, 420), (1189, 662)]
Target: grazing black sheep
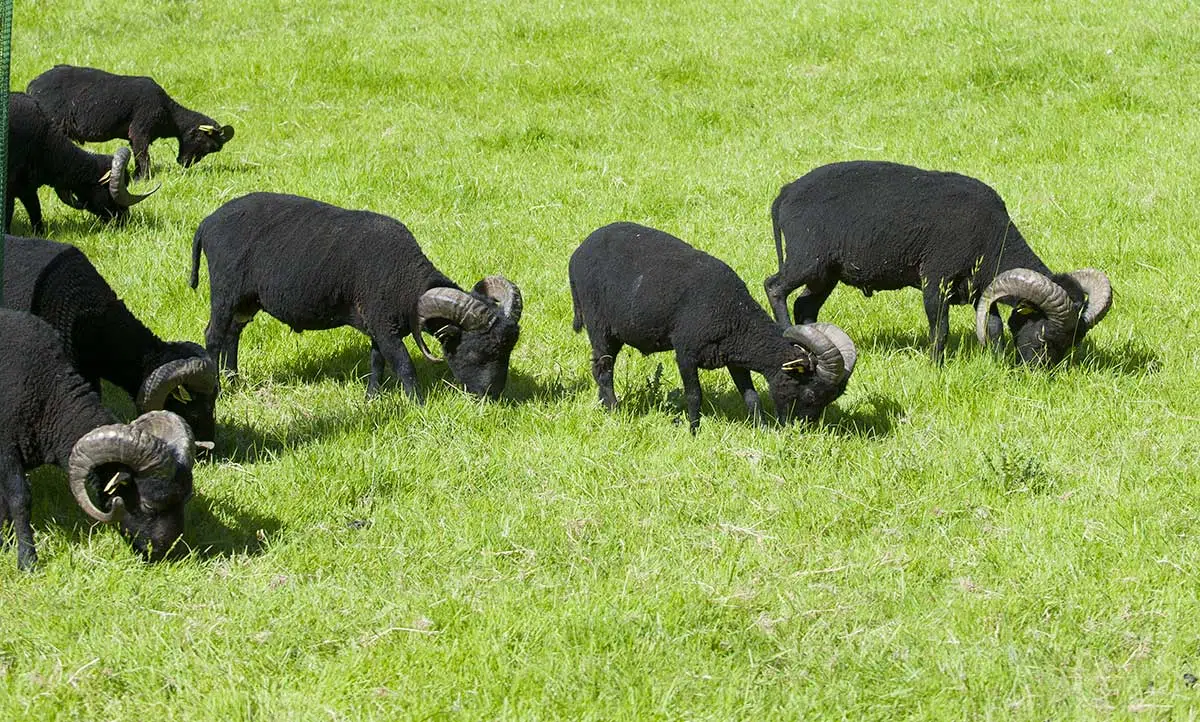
[(316, 266), (637, 286), (40, 155), (880, 226), (140, 473), (58, 283), (94, 105)]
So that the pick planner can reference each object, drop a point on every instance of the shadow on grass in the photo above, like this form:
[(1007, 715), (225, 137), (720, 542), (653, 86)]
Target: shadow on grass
[(243, 444), (522, 388), (207, 536), (1131, 358), (873, 417)]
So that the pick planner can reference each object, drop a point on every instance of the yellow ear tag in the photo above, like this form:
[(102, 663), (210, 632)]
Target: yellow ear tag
[(800, 364), (111, 486), (1025, 309), (181, 394), (104, 178), (207, 128)]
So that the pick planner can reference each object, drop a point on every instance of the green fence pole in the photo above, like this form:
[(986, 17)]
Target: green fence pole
[(6, 18)]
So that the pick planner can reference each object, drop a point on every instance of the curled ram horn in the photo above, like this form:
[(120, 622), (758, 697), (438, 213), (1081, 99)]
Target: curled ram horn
[(196, 373), (131, 448), (1099, 294), (173, 431), (505, 293), (1021, 284), (831, 366), (844, 345), (117, 186)]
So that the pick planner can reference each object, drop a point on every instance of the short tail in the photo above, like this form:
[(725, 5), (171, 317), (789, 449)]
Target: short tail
[(197, 246), (777, 230)]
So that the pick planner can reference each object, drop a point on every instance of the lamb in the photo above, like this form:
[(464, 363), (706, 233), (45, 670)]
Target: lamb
[(881, 226), (40, 155), (315, 266), (140, 473), (645, 288), (94, 105), (103, 340)]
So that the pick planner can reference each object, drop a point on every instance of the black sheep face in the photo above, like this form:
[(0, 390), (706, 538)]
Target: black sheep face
[(479, 359), (154, 513), (800, 396), (199, 410), (95, 198), (197, 143), (1039, 342)]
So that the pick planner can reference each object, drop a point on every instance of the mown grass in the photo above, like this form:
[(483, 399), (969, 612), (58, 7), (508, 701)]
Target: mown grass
[(975, 541)]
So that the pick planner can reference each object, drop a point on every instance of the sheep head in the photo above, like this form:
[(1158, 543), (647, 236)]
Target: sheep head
[(477, 330), (142, 474), (820, 361), (1050, 315), (198, 142)]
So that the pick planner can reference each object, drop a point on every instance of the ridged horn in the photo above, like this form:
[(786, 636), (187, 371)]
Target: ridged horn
[(173, 431), (122, 444), (505, 293), (197, 373), (116, 181), (458, 307), (831, 367), (1022, 284), (840, 339), (1099, 294)]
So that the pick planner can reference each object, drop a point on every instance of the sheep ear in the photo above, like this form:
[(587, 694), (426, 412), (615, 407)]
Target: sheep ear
[(226, 133)]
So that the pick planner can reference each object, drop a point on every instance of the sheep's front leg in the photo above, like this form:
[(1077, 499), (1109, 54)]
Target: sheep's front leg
[(33, 206), (387, 346), (745, 385), (689, 373), (140, 144), (17, 495), (937, 307)]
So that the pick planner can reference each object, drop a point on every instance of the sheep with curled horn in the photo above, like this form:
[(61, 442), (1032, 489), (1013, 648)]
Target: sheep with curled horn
[(140, 474), (95, 105), (314, 266), (880, 226), (638, 286), (40, 155), (103, 339)]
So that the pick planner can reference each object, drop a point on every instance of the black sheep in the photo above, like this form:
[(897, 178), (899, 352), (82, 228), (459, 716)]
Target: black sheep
[(102, 338), (637, 286), (140, 473), (316, 266), (40, 155), (94, 105), (881, 226)]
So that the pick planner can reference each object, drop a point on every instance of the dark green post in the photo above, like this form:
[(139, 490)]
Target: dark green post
[(6, 18)]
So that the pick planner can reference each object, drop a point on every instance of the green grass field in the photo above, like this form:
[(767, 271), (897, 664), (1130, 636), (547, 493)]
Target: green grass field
[(971, 542)]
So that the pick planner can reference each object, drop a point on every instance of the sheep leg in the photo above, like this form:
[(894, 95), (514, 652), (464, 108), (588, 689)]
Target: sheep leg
[(745, 385), (937, 307), (689, 373), (808, 303), (19, 499), (222, 336), (10, 203), (778, 289), (604, 358), (391, 348), (33, 207), (140, 144)]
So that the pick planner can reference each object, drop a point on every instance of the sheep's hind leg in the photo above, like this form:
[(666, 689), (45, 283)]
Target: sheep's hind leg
[(17, 495), (604, 358), (224, 333), (745, 385)]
